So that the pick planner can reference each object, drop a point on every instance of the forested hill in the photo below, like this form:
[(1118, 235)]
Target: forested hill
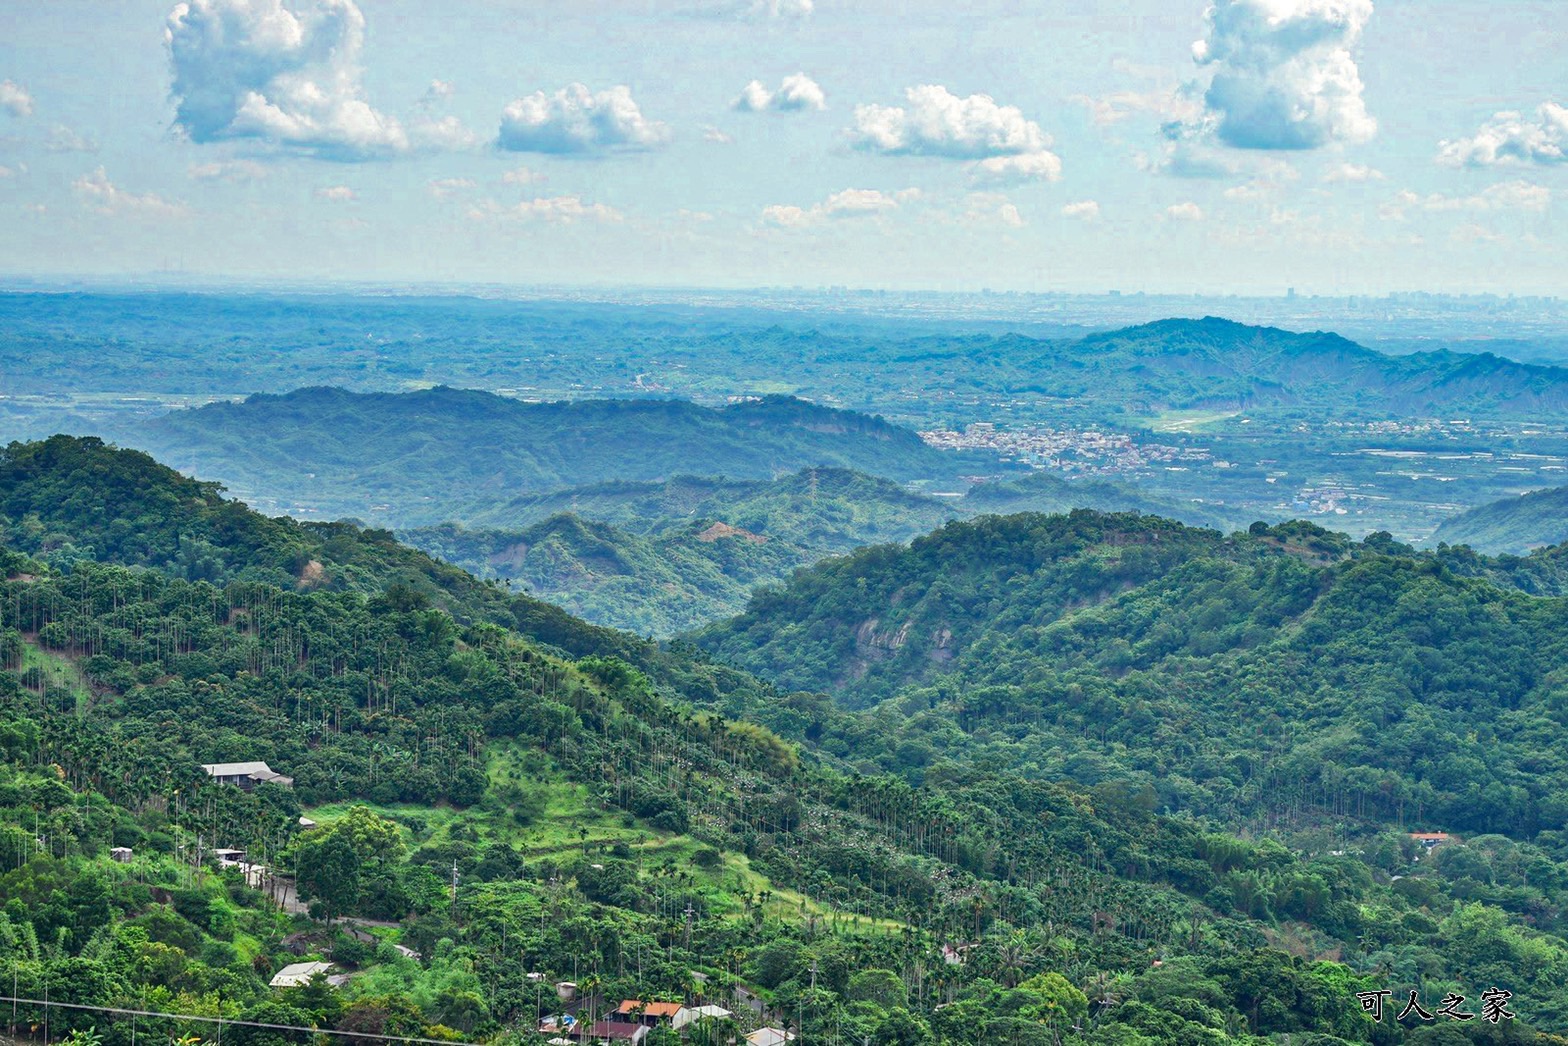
[(409, 458), (1284, 673), (628, 832), (1216, 363), (661, 558), (1517, 524)]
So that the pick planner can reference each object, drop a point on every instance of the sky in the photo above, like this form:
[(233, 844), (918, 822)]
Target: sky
[(1239, 146)]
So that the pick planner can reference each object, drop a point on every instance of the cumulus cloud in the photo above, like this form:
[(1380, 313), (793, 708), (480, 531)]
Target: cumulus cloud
[(1024, 167), (1511, 138), (1086, 210), (521, 176), (797, 93), (15, 100), (576, 120), (12, 172), (558, 210), (1284, 77), (848, 203), (282, 72), (104, 196), (716, 136), (336, 193), (1184, 212), (443, 133), (1000, 141), (1504, 196), (939, 123), (228, 171)]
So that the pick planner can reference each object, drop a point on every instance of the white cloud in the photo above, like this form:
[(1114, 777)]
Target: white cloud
[(1003, 144), (576, 120), (15, 100), (1352, 172), (443, 133), (282, 72), (12, 172), (107, 198), (558, 210), (64, 140), (797, 93), (1087, 210), (1284, 76), (716, 136), (1510, 138), (1042, 165), (847, 203), (446, 188), (336, 193), (522, 176), (1504, 196), (939, 123), (228, 171), (1184, 212)]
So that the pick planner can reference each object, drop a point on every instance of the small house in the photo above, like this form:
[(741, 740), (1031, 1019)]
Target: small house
[(1431, 839), (770, 1037), (688, 1014), (122, 854), (246, 775), (635, 1011), (299, 974)]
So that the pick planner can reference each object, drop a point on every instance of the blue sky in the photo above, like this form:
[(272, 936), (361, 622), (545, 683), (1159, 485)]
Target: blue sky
[(1337, 146)]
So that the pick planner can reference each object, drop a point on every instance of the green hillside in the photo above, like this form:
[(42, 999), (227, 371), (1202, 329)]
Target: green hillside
[(1518, 524), (675, 555), (681, 577), (416, 458), (626, 829), (1288, 673)]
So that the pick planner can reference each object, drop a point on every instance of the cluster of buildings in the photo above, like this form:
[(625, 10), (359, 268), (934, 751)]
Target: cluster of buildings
[(1086, 451), (633, 1019)]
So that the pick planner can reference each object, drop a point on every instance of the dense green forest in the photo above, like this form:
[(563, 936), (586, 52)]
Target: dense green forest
[(1283, 675), (612, 821), (661, 558), (1516, 524)]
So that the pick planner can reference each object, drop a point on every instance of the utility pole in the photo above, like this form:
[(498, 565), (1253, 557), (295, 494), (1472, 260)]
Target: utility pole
[(454, 888)]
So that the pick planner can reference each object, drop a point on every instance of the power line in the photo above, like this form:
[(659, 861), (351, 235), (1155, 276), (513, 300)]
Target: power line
[(224, 1020)]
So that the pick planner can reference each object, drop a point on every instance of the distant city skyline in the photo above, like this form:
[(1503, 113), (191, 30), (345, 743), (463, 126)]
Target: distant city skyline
[(1339, 147)]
